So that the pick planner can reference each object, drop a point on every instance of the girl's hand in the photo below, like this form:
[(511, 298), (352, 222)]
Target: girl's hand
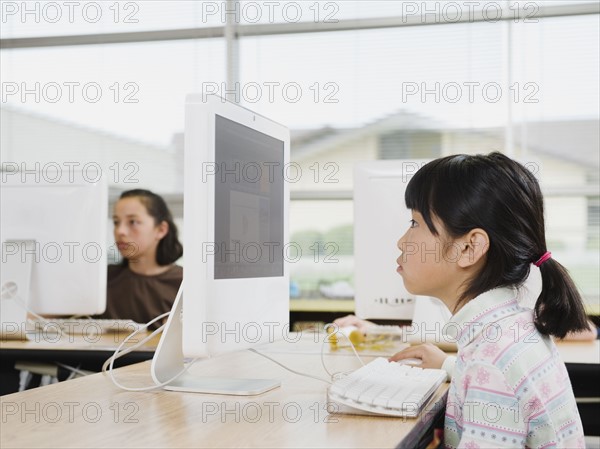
[(430, 355), (351, 320)]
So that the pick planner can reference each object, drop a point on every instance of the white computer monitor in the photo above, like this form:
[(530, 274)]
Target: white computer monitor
[(235, 290), (53, 233), (380, 219)]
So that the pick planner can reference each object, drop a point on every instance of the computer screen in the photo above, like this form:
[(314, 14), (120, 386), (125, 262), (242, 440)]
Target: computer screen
[(53, 233), (248, 205), (235, 290)]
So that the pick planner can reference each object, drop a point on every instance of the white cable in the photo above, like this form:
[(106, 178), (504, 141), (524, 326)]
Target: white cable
[(323, 352), (289, 369), (73, 370), (331, 375), (40, 318), (347, 338), (118, 353), (109, 363)]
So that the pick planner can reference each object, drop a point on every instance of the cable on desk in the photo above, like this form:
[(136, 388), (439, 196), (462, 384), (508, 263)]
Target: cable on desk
[(109, 363), (328, 335), (287, 368), (331, 375), (73, 370)]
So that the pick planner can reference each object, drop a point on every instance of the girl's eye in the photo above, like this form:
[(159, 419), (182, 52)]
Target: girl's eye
[(413, 223)]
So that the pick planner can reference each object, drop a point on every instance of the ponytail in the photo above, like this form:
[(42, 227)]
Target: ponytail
[(559, 308)]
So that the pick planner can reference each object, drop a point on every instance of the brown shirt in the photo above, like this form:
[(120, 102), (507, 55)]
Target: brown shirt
[(140, 298)]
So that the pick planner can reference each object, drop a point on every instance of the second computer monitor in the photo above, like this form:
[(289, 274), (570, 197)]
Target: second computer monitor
[(380, 219), (54, 233)]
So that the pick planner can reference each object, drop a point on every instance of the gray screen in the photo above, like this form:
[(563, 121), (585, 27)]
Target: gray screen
[(248, 202)]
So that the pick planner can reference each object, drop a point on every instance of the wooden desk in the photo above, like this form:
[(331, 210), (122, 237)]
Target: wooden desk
[(583, 352), (86, 352), (106, 342), (91, 412)]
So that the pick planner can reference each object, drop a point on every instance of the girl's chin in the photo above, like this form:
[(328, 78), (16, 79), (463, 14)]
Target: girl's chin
[(410, 289), (128, 253)]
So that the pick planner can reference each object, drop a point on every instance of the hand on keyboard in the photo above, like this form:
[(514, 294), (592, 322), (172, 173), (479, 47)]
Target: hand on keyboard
[(385, 388)]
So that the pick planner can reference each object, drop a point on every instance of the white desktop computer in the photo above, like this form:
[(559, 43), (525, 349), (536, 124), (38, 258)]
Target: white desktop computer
[(380, 219), (53, 233), (235, 290)]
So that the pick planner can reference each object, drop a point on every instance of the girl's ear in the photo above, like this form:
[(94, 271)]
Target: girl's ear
[(162, 229), (473, 247)]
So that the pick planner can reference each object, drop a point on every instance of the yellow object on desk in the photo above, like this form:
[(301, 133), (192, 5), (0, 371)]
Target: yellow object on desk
[(346, 337), (348, 333)]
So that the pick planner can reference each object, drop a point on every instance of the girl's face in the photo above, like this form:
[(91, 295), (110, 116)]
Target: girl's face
[(428, 262), (135, 232)]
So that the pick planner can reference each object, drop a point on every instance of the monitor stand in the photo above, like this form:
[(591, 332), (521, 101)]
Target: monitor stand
[(168, 360)]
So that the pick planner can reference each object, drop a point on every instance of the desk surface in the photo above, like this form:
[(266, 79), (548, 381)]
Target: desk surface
[(45, 351), (92, 412), (585, 352), (92, 342), (571, 351)]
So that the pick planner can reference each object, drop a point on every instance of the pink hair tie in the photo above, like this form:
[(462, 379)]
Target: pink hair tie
[(547, 255)]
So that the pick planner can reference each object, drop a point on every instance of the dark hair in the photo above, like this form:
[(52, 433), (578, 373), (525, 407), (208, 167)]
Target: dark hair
[(169, 248), (502, 197)]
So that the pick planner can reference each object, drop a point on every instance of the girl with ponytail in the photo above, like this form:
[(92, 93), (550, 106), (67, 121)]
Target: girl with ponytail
[(477, 230)]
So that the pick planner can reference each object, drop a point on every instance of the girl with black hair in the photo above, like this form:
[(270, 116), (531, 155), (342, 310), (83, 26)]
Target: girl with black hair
[(477, 228), (145, 284)]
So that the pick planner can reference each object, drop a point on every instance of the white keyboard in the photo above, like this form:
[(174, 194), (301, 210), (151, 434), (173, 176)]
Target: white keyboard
[(88, 326), (385, 388)]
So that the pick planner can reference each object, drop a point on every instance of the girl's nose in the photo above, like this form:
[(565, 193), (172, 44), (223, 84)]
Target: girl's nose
[(401, 242), (120, 229)]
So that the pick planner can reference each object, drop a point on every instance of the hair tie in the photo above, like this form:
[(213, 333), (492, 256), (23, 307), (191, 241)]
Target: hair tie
[(547, 255)]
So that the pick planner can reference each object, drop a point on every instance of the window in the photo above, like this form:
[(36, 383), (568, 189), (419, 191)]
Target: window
[(410, 144), (593, 223), (374, 89)]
